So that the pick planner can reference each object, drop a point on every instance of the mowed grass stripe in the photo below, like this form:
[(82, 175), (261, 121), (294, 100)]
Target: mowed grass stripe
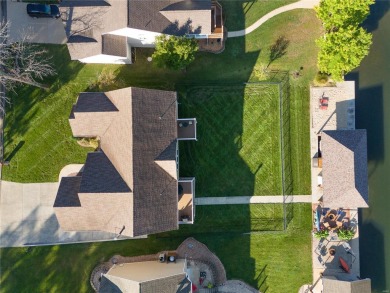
[(237, 152)]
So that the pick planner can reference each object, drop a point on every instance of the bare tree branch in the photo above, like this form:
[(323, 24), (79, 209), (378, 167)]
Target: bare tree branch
[(22, 62)]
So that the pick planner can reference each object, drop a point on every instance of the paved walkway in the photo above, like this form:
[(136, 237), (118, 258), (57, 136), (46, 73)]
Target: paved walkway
[(27, 217), (252, 199), (302, 4)]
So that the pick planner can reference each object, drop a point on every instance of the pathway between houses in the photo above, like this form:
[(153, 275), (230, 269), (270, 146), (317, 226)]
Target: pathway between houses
[(27, 216), (302, 4), (252, 199)]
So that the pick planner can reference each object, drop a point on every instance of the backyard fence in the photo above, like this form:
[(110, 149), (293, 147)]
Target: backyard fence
[(270, 102), (281, 78)]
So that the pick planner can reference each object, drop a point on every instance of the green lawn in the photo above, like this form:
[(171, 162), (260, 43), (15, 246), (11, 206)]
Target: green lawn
[(260, 259), (240, 14), (238, 137)]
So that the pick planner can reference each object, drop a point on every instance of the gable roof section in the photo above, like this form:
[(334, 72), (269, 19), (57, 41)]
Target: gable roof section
[(94, 102), (67, 192), (100, 176), (344, 172), (172, 17), (85, 25), (155, 204)]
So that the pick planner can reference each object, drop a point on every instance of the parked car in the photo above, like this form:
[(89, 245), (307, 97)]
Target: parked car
[(43, 10)]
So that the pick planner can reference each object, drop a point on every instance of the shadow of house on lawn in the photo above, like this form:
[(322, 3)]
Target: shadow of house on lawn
[(27, 102)]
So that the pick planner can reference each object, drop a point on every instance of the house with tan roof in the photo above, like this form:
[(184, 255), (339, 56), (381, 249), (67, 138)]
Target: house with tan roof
[(344, 168), (130, 185), (109, 31)]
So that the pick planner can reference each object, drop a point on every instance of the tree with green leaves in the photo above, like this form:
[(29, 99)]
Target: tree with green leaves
[(342, 51), (345, 43), (336, 14), (174, 52)]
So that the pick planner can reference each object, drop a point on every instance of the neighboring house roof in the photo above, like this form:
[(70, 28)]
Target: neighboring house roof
[(175, 17), (147, 277), (90, 29), (137, 131), (332, 285), (344, 168), (85, 27)]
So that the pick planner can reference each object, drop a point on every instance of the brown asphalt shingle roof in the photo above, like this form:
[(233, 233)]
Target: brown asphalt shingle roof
[(160, 16), (344, 172), (88, 27), (131, 140)]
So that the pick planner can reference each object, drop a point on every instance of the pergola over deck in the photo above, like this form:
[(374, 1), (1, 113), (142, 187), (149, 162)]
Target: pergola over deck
[(344, 171)]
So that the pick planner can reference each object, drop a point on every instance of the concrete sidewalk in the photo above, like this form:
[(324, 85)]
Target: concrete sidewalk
[(27, 217), (252, 199), (303, 4)]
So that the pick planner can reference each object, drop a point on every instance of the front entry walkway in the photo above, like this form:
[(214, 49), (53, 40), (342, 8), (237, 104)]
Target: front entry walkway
[(27, 217)]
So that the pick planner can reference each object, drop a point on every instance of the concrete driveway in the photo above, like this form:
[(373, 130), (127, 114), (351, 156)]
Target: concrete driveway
[(41, 30), (27, 217)]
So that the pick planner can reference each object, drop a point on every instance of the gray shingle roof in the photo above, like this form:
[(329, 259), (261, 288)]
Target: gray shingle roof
[(344, 172)]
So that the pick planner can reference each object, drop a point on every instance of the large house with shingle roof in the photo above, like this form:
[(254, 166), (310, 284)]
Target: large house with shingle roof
[(108, 31), (130, 185)]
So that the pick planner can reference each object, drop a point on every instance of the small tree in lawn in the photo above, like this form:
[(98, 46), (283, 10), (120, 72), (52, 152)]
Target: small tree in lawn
[(174, 52), (345, 43)]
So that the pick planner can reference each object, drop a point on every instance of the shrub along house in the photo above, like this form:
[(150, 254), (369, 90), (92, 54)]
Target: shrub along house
[(108, 31), (130, 184)]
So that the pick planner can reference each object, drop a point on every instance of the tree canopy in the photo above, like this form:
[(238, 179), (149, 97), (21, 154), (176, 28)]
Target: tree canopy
[(336, 14), (174, 52), (345, 43), (342, 51), (22, 62)]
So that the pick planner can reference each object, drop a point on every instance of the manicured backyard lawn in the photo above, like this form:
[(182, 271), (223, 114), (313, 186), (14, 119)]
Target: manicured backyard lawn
[(238, 137), (260, 259)]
